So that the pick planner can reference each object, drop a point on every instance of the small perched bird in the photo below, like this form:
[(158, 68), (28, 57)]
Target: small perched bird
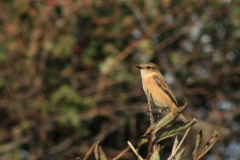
[(157, 89)]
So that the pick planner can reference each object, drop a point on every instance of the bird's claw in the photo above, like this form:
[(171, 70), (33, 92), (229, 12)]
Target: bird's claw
[(148, 111)]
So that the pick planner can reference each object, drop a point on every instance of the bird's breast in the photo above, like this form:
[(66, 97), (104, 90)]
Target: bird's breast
[(157, 95)]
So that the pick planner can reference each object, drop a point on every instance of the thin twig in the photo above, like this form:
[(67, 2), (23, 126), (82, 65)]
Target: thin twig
[(122, 153), (184, 137), (150, 146), (90, 151), (178, 147), (96, 151), (152, 121), (134, 150)]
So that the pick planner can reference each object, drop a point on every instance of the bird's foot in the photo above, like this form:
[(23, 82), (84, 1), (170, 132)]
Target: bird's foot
[(148, 111), (159, 114)]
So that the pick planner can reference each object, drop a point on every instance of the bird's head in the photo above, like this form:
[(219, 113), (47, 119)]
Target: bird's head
[(148, 68)]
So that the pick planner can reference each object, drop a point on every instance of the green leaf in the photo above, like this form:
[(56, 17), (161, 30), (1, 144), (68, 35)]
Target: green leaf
[(168, 118), (155, 155), (171, 131)]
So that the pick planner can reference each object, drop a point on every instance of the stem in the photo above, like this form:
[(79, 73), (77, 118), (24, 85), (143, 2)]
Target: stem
[(89, 152), (178, 147), (120, 155), (150, 147), (134, 150)]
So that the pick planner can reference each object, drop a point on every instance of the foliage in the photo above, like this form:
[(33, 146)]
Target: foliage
[(154, 147)]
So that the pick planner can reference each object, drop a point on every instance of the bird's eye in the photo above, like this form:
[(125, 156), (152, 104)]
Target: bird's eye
[(148, 67)]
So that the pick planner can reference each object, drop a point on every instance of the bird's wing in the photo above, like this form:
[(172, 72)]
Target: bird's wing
[(161, 82)]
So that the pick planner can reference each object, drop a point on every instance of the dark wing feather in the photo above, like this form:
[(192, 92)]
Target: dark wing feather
[(164, 86)]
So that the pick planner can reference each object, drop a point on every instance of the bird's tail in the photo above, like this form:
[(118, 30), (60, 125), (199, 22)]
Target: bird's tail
[(183, 118), (174, 107)]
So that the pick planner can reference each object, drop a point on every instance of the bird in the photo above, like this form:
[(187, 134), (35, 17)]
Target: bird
[(156, 88)]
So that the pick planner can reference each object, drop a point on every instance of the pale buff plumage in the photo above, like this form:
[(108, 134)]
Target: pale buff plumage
[(160, 93)]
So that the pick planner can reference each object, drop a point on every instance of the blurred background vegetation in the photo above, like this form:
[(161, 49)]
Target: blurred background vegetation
[(68, 75)]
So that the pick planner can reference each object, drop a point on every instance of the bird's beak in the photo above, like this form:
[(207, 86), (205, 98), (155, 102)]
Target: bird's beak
[(139, 67)]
